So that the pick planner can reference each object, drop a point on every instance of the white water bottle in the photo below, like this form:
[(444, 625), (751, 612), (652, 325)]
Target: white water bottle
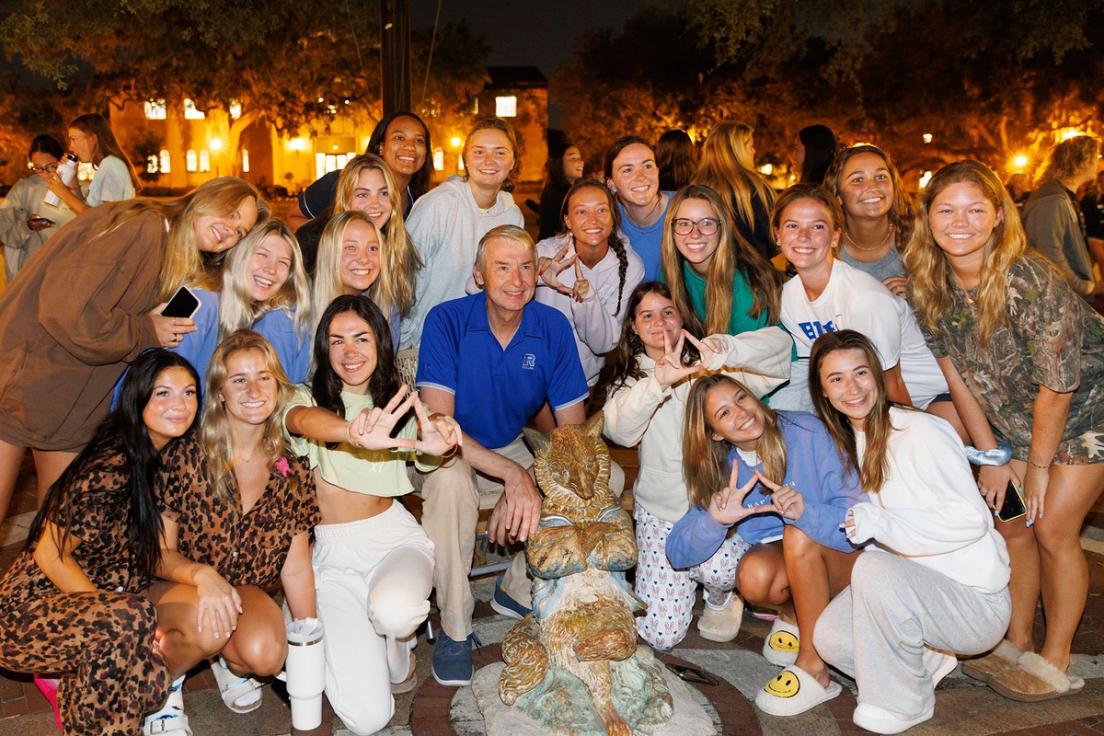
[(67, 170), (306, 672)]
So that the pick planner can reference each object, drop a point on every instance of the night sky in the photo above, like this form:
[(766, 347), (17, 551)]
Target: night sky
[(540, 34)]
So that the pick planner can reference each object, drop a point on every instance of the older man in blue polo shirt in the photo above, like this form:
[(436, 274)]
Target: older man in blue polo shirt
[(491, 360)]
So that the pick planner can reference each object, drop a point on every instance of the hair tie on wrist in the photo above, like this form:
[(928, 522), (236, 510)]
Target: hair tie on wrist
[(999, 455), (1037, 465)]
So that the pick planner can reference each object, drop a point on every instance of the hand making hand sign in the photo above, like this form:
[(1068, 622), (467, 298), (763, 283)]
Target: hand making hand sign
[(787, 500), (550, 268), (670, 369), (726, 506)]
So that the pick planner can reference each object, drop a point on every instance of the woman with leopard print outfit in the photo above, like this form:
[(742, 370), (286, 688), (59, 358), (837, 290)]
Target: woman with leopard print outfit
[(70, 603)]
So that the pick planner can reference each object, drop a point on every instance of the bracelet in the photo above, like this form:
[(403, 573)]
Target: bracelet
[(999, 455), (1037, 465)]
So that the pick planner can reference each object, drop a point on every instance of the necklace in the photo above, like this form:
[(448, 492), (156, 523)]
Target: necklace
[(868, 249)]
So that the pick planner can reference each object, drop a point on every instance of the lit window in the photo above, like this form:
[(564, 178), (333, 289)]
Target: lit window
[(460, 162), (438, 159), (154, 109), (191, 161), (245, 161), (319, 164), (506, 107), (204, 160), (235, 109), (190, 111), (166, 161), (151, 164)]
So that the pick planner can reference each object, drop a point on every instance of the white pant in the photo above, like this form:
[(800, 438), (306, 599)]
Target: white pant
[(373, 579)]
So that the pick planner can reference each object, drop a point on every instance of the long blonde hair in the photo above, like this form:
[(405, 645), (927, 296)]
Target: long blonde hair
[(238, 310), (705, 466), (181, 263), (214, 430), (727, 166), (733, 252), (327, 269), (399, 261), (929, 273)]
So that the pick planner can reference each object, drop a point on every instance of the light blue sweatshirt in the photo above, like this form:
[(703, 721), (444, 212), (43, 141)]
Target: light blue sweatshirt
[(813, 467)]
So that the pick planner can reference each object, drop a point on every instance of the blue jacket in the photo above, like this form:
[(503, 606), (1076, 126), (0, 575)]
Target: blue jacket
[(813, 467)]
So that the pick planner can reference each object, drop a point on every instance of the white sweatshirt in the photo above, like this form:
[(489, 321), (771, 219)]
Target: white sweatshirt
[(597, 329), (445, 227), (643, 412), (929, 509)]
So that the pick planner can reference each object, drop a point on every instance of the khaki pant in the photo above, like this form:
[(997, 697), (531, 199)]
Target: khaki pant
[(452, 496)]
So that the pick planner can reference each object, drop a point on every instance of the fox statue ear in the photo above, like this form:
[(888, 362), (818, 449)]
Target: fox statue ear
[(593, 426)]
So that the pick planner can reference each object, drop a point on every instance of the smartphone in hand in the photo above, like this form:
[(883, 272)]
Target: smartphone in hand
[(183, 304), (1013, 506)]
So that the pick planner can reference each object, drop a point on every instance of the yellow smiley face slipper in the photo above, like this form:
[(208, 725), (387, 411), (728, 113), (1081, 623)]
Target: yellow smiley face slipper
[(782, 644), (793, 691)]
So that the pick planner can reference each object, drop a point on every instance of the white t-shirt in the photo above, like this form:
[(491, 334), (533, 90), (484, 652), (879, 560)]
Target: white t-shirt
[(856, 300)]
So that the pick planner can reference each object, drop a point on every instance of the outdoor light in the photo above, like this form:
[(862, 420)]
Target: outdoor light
[(215, 144), (766, 169), (925, 178), (1066, 133), (927, 137), (298, 144), (455, 141), (1019, 162)]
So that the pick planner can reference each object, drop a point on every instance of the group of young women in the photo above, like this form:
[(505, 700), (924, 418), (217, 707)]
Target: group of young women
[(801, 443)]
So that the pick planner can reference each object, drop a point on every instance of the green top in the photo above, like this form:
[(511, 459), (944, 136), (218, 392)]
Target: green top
[(374, 472), (742, 298)]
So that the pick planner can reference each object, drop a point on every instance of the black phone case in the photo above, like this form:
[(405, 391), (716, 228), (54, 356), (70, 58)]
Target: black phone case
[(183, 304), (1013, 506)]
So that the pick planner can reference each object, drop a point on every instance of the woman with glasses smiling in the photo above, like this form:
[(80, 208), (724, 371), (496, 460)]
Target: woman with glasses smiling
[(716, 277), (26, 222)]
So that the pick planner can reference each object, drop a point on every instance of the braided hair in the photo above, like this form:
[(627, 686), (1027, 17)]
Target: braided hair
[(614, 240)]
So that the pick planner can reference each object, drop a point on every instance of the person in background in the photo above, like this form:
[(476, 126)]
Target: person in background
[(93, 142), (26, 222), (1052, 216), (447, 223), (1024, 357), (632, 174), (727, 166), (564, 167), (71, 603), (589, 271), (877, 214), (1092, 209), (813, 151), (401, 139), (90, 303), (676, 158), (932, 582)]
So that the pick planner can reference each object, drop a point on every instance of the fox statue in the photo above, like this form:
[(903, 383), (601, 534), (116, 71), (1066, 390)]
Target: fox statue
[(579, 641)]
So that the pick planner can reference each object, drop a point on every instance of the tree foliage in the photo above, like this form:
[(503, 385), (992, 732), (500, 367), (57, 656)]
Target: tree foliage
[(984, 79)]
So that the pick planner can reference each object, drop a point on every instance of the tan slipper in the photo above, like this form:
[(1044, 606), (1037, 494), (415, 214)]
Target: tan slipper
[(411, 681), (1034, 679), (1003, 658)]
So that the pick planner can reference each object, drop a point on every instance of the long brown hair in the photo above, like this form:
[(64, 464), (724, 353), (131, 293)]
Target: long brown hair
[(106, 145), (733, 253), (875, 466), (929, 273), (705, 466), (900, 212)]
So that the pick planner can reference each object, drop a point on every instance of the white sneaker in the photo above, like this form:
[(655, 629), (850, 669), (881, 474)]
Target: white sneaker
[(722, 624), (879, 720), (170, 720), (782, 643)]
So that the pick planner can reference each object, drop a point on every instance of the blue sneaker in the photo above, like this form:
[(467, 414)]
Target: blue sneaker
[(452, 660), (504, 604)]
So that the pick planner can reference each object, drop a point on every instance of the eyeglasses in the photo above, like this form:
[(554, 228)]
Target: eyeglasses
[(51, 168), (706, 225)]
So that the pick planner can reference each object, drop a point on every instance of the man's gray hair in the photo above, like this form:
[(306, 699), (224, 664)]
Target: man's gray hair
[(510, 232)]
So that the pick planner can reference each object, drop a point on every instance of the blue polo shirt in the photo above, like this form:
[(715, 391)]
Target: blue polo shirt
[(497, 391)]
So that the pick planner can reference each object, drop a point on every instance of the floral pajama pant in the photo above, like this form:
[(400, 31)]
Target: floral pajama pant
[(670, 593), (102, 647)]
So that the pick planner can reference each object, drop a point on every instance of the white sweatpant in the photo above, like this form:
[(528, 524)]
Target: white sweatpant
[(876, 630), (373, 579)]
